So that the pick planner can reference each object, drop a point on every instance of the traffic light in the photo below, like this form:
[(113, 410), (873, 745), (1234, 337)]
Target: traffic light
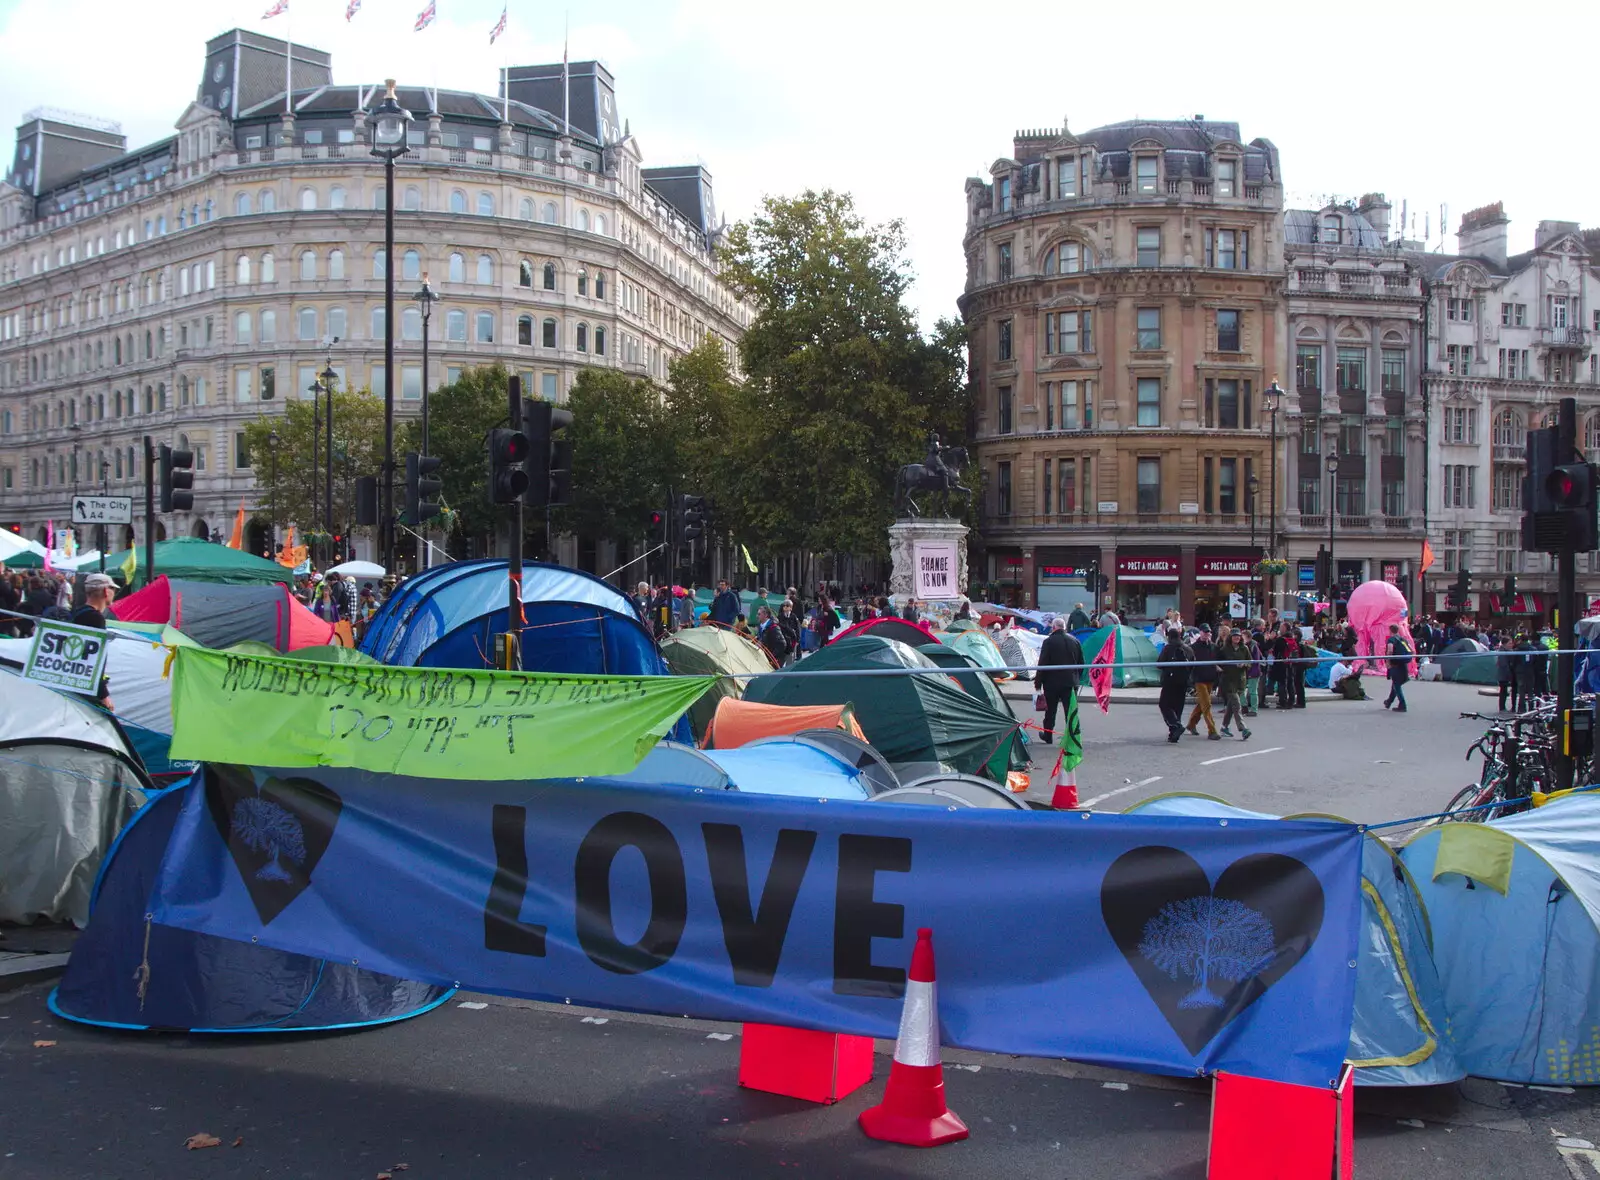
[(1105, 583), (366, 502), (422, 487), (657, 519), (1571, 488), (691, 517), (508, 457), (1558, 499), (549, 457), (1508, 594), (1322, 567), (177, 477), (1459, 592)]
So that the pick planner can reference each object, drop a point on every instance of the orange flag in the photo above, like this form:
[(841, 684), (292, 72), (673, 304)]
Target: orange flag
[(1427, 555), (237, 540)]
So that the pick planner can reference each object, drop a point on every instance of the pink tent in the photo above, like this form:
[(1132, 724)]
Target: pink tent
[(218, 615)]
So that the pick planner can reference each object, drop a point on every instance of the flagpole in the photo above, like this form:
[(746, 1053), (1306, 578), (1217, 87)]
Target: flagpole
[(288, 66), (566, 82)]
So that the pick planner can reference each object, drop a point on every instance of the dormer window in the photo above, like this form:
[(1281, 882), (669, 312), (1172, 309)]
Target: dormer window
[(1002, 194), (1145, 172), (1333, 230), (1066, 177), (1227, 177)]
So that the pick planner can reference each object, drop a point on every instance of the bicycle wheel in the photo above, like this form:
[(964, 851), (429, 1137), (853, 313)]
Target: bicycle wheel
[(1468, 796)]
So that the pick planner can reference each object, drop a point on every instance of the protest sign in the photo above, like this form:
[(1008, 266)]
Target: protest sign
[(67, 657), (441, 722)]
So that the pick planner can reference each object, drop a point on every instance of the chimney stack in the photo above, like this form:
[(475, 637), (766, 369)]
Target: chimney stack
[(1483, 233), (1549, 231), (1375, 209)]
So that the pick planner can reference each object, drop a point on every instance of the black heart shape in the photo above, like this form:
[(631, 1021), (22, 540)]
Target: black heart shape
[(276, 833), (1206, 953)]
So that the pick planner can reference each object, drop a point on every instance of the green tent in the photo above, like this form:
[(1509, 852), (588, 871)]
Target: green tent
[(322, 653), (1134, 647), (977, 647), (907, 718), (200, 561), (968, 673), (712, 651)]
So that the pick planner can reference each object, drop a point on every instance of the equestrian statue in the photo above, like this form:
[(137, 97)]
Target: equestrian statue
[(939, 471)]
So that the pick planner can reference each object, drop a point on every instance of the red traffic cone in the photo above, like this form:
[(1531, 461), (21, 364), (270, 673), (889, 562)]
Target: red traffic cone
[(1065, 783), (913, 1110)]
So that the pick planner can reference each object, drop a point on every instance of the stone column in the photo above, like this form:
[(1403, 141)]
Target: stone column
[(904, 538), (1030, 577), (1186, 582)]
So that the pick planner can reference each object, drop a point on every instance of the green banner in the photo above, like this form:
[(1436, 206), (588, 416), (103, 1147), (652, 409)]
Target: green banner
[(1071, 733), (423, 722)]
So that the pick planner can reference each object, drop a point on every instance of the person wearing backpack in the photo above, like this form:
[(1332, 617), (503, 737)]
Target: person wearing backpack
[(1399, 670)]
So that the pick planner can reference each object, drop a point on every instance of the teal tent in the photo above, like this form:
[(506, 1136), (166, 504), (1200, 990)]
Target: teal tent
[(1135, 655), (196, 560), (913, 718)]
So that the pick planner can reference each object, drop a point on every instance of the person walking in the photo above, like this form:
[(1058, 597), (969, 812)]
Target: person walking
[(1057, 683), (1206, 675), (1301, 655), (725, 606), (1399, 669), (772, 636), (1078, 620), (686, 607), (1235, 655), (1173, 665), (790, 622), (1527, 654), (909, 611), (826, 621), (1252, 692), (1505, 673)]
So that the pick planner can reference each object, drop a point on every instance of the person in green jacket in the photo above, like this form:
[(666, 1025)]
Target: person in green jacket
[(1234, 656)]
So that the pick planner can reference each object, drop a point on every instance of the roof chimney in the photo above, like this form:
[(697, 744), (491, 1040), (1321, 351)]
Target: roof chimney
[(1549, 231), (1375, 209), (1483, 233)]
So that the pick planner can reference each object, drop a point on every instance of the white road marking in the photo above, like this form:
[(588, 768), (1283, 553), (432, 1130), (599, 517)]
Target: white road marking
[(474, 1005), (968, 1068), (595, 1020), (1113, 1085), (1583, 1143), (1251, 754), (1154, 778), (719, 1036)]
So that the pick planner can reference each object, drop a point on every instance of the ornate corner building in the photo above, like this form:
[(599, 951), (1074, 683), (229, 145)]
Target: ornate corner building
[(1125, 305), (182, 289)]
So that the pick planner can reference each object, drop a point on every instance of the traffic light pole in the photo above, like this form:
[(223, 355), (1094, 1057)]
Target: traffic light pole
[(1566, 603), (149, 512), (514, 617)]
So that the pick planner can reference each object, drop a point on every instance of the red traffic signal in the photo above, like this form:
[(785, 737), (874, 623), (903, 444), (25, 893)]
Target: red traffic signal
[(1568, 486), (508, 450), (655, 520)]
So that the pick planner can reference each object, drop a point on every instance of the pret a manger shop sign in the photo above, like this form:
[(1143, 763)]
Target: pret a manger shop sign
[(64, 656)]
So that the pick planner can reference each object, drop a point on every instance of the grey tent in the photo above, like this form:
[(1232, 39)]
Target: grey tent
[(1466, 661)]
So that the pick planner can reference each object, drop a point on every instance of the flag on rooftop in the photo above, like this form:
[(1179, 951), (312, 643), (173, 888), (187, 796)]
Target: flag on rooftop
[(352, 8), (278, 9), (425, 17), (499, 27)]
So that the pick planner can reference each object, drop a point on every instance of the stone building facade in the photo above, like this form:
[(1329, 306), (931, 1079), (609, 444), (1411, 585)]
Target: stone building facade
[(1125, 310), (182, 289)]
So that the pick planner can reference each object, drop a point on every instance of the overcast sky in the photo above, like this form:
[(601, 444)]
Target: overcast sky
[(898, 103)]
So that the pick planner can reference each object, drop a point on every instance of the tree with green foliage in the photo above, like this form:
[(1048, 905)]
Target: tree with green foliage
[(840, 388), (357, 451), (624, 454), (703, 402), (460, 417)]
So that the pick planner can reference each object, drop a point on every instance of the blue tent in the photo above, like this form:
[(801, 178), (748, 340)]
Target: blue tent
[(1398, 1036), (447, 617), (199, 982), (1515, 906)]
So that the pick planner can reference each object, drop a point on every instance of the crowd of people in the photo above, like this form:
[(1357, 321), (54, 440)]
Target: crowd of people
[(340, 598)]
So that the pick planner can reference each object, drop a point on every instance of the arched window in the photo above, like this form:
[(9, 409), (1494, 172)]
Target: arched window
[(458, 269), (455, 326), (411, 265), (599, 340), (599, 284), (581, 338), (149, 400), (336, 264), (210, 208), (380, 265), (308, 266), (243, 272), (583, 280), (269, 326), (411, 323), (149, 350), (483, 327), (183, 219), (305, 324), (547, 334), (458, 201), (548, 213), (485, 270), (1508, 429), (377, 323), (379, 197), (116, 351), (1591, 433), (308, 199), (525, 273), (269, 201), (413, 199), (241, 206), (267, 269), (336, 197), (525, 209), (485, 204), (600, 224), (583, 220), (116, 403), (336, 323), (549, 276), (525, 330), (1066, 259)]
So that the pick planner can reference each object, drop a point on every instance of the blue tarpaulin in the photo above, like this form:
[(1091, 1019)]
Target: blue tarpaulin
[(1167, 944)]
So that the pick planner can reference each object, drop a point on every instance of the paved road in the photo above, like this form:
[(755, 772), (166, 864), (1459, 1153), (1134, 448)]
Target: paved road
[(519, 1089), (1349, 758)]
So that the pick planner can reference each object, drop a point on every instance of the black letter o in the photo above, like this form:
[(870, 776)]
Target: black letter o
[(669, 893)]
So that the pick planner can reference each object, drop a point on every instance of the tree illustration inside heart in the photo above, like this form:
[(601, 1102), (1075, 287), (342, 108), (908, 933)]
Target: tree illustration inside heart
[(276, 831), (1207, 952)]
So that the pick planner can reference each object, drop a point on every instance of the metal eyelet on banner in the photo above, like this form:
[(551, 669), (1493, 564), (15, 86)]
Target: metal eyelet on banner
[(1223, 822)]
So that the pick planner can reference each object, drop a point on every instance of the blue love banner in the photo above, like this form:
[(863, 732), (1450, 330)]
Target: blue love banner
[(1171, 945)]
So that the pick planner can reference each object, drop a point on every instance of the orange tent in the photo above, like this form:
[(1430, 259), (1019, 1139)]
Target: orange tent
[(738, 722)]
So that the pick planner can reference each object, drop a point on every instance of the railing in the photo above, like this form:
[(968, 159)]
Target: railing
[(1252, 192), (1202, 188), (1124, 188), (1510, 453), (1569, 337), (457, 155)]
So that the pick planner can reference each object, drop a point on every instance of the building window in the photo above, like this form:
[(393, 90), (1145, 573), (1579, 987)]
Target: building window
[(455, 326), (1461, 425), (1003, 340), (1394, 497), (335, 197), (599, 340), (1507, 551), (483, 327), (379, 324), (1459, 309), (1003, 261), (1004, 416), (411, 383), (1333, 230), (547, 334), (485, 205), (1228, 486), (1002, 194), (411, 201), (1507, 490), (1310, 495), (1066, 177), (1508, 430), (336, 264), (583, 281), (1460, 486), (241, 453), (458, 201), (1227, 178), (485, 270), (1350, 370), (1458, 358), (411, 265), (1227, 404), (548, 213), (1002, 489), (456, 271), (241, 207), (1513, 364), (1149, 471), (241, 327), (581, 337), (411, 323), (269, 327), (268, 272), (1149, 402), (1513, 315), (525, 273), (1147, 246), (1149, 328), (269, 383), (308, 266), (243, 386), (524, 330), (306, 324), (1228, 249), (308, 199), (1146, 173), (1308, 368), (1394, 370), (1067, 259), (1069, 332), (549, 276), (1227, 330), (380, 265)]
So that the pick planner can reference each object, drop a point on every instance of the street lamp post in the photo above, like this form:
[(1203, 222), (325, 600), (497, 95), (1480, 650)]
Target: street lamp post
[(1252, 487), (1332, 464), (100, 529), (1271, 399), (329, 380), (272, 441), (315, 390), (427, 297), (389, 121)]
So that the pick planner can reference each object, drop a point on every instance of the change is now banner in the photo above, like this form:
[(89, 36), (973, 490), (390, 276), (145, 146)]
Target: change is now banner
[(1154, 943), (434, 722)]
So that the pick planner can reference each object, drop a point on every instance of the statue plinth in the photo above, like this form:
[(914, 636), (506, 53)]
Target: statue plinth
[(929, 558)]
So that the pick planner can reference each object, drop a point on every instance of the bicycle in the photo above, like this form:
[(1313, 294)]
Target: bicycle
[(1515, 765)]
